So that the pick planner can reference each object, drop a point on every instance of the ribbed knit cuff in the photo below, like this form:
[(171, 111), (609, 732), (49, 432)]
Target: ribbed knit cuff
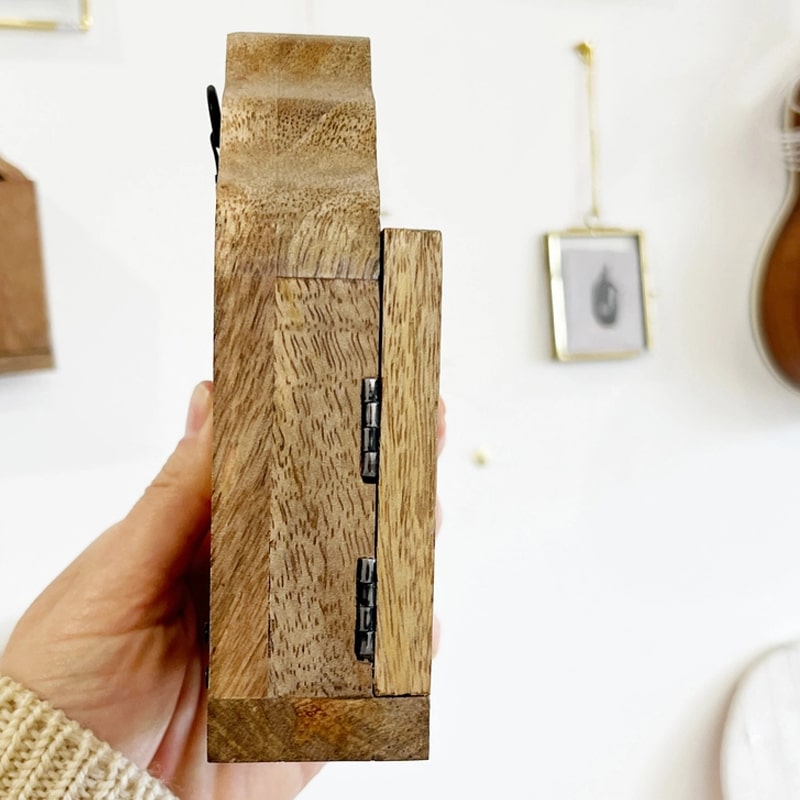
[(44, 755)]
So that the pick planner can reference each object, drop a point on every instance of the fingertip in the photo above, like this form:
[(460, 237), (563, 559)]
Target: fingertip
[(199, 408)]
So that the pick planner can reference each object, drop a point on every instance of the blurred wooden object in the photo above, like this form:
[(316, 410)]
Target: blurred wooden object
[(299, 321), (776, 298), (24, 329)]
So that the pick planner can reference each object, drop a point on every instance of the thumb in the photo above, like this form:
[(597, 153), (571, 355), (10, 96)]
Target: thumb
[(161, 533)]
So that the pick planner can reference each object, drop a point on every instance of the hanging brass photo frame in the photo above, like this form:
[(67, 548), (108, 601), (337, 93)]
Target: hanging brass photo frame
[(81, 22), (598, 294)]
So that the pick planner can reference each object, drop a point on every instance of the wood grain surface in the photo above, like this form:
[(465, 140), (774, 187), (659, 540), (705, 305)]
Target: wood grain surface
[(244, 377), (778, 283), (412, 281), (297, 196), (298, 306), (318, 729), (322, 515), (24, 328), (297, 161)]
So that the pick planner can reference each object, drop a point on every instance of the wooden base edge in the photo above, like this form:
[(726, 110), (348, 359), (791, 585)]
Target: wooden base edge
[(318, 729), (25, 362)]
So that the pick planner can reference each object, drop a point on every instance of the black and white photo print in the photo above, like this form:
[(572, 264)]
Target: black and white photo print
[(598, 292)]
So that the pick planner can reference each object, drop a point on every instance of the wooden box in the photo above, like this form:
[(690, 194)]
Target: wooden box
[(24, 330), (311, 299)]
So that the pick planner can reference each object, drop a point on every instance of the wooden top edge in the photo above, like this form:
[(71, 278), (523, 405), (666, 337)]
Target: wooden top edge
[(26, 362), (297, 38), (304, 60), (390, 232)]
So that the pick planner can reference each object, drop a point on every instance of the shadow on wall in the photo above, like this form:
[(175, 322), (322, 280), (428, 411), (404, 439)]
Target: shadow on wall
[(104, 321)]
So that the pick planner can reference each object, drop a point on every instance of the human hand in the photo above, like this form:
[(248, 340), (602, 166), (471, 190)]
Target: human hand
[(114, 642)]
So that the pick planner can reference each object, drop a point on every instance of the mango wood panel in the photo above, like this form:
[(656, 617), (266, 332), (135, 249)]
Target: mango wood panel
[(24, 329), (244, 376), (322, 515), (291, 515), (297, 195), (317, 729), (297, 321), (412, 278), (298, 154)]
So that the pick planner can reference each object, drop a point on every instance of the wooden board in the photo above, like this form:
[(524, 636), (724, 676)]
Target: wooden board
[(412, 285), (298, 308), (24, 329), (299, 163), (322, 515), (318, 729), (291, 200), (244, 377)]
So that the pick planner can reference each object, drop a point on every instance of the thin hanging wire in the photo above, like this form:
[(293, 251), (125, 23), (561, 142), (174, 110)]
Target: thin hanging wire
[(586, 51)]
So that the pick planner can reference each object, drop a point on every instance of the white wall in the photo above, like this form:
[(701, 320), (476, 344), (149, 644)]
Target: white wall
[(630, 546)]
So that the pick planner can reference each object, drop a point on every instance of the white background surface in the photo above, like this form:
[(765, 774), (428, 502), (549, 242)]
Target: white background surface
[(631, 545)]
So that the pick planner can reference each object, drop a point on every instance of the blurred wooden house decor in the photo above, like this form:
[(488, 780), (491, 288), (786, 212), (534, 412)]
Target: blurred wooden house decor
[(24, 328)]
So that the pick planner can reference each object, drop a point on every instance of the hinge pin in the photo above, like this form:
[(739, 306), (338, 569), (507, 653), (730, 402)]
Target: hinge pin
[(370, 390), (370, 428), (366, 612)]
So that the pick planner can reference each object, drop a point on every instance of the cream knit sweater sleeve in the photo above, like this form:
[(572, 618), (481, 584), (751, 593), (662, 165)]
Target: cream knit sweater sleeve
[(44, 755)]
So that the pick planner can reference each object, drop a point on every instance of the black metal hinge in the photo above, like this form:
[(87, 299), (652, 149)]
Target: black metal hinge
[(366, 593), (366, 568), (370, 428)]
